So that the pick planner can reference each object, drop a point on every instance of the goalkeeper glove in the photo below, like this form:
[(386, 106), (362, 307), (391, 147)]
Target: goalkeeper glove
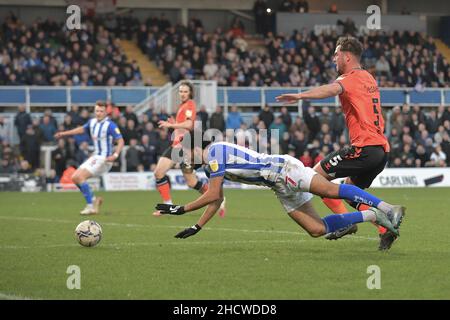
[(170, 209), (188, 232)]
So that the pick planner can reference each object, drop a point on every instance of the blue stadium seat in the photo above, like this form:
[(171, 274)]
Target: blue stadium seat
[(392, 96), (271, 94), (426, 97), (88, 96), (128, 96), (8, 96), (48, 96), (327, 101), (246, 96)]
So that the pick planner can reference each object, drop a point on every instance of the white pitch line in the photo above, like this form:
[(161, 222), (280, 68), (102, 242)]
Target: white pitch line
[(131, 225), (159, 243), (5, 296)]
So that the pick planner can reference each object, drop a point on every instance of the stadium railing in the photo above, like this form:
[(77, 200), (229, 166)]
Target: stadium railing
[(34, 96)]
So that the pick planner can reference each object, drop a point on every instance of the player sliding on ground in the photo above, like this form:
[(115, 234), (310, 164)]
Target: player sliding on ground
[(102, 132), (292, 183), (368, 154)]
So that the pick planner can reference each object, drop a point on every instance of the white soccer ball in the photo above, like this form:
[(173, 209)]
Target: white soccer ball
[(88, 233)]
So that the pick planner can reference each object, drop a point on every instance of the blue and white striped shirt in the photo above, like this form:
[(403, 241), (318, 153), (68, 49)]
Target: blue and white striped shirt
[(103, 134), (243, 165)]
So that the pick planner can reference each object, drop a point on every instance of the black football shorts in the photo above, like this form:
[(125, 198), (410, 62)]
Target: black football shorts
[(361, 164)]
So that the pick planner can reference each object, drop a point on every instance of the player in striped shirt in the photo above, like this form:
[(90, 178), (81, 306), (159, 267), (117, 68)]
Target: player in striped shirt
[(292, 183), (103, 132)]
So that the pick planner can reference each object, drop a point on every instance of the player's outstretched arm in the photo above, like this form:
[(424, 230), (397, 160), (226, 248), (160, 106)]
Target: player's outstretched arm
[(188, 124), (210, 196), (73, 132), (322, 92), (210, 211)]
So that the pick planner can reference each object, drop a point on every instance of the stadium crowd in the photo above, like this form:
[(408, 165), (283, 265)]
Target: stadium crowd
[(396, 59), (46, 54)]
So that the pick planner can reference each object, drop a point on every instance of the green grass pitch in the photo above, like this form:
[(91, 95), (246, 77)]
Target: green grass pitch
[(255, 252)]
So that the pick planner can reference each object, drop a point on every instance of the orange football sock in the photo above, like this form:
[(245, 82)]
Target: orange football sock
[(164, 191), (335, 205)]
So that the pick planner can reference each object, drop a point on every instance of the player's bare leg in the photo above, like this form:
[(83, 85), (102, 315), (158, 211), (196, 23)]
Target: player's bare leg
[(335, 205), (79, 177), (307, 218)]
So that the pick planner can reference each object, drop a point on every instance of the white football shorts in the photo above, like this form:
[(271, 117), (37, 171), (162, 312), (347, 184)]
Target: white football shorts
[(292, 186), (97, 165)]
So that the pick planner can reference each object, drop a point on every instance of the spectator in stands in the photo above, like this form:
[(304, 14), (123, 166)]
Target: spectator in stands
[(84, 115), (237, 29), (299, 143), (438, 158), (217, 120), (299, 125), (25, 167), (432, 122), (82, 154), (6, 166), (48, 129), (68, 124), (133, 156), (382, 67), (337, 123), (163, 142), (210, 69), (445, 145), (301, 6), (306, 159), (266, 116), (333, 8), (287, 6), (203, 117), (30, 147), (60, 156), (74, 113), (148, 153), (234, 119), (279, 126), (406, 153), (130, 115), (22, 121), (421, 155), (286, 116), (131, 133), (312, 121)]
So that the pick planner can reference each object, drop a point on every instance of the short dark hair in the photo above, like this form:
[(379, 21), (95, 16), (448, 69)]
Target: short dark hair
[(191, 88), (100, 103), (350, 44)]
